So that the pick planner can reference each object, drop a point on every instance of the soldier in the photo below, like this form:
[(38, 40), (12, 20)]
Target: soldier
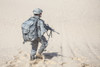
[(33, 30), (40, 36)]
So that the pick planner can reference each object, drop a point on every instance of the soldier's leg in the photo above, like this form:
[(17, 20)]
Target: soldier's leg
[(43, 46), (34, 49)]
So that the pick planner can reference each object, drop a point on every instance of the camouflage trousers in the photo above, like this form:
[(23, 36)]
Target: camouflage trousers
[(34, 44)]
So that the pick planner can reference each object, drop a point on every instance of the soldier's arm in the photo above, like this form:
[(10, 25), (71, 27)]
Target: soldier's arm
[(42, 27)]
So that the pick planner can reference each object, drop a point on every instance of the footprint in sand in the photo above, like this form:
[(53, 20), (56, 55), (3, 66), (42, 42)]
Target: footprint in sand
[(85, 65), (18, 60)]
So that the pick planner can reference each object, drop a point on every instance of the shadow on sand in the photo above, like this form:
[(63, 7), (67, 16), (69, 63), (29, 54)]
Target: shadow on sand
[(50, 55)]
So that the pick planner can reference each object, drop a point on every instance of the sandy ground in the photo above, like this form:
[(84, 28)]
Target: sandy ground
[(77, 21)]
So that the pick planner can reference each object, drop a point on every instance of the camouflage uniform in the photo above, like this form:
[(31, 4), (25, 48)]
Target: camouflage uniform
[(34, 44), (40, 38)]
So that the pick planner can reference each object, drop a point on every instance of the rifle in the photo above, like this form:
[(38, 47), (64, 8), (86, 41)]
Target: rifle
[(47, 27)]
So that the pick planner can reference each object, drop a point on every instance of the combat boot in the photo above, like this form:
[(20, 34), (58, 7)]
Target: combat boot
[(39, 56), (32, 57)]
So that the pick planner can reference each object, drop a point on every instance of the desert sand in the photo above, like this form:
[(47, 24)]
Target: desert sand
[(77, 21)]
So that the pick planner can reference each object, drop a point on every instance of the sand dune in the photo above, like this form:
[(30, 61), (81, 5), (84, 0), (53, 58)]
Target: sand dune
[(77, 21)]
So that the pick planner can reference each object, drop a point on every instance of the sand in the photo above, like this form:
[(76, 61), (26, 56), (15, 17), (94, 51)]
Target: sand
[(77, 21)]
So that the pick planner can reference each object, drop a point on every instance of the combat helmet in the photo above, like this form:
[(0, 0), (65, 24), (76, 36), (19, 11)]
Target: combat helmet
[(37, 11)]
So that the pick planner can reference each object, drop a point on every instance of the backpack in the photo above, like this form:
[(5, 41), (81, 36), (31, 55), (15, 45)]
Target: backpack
[(29, 29)]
